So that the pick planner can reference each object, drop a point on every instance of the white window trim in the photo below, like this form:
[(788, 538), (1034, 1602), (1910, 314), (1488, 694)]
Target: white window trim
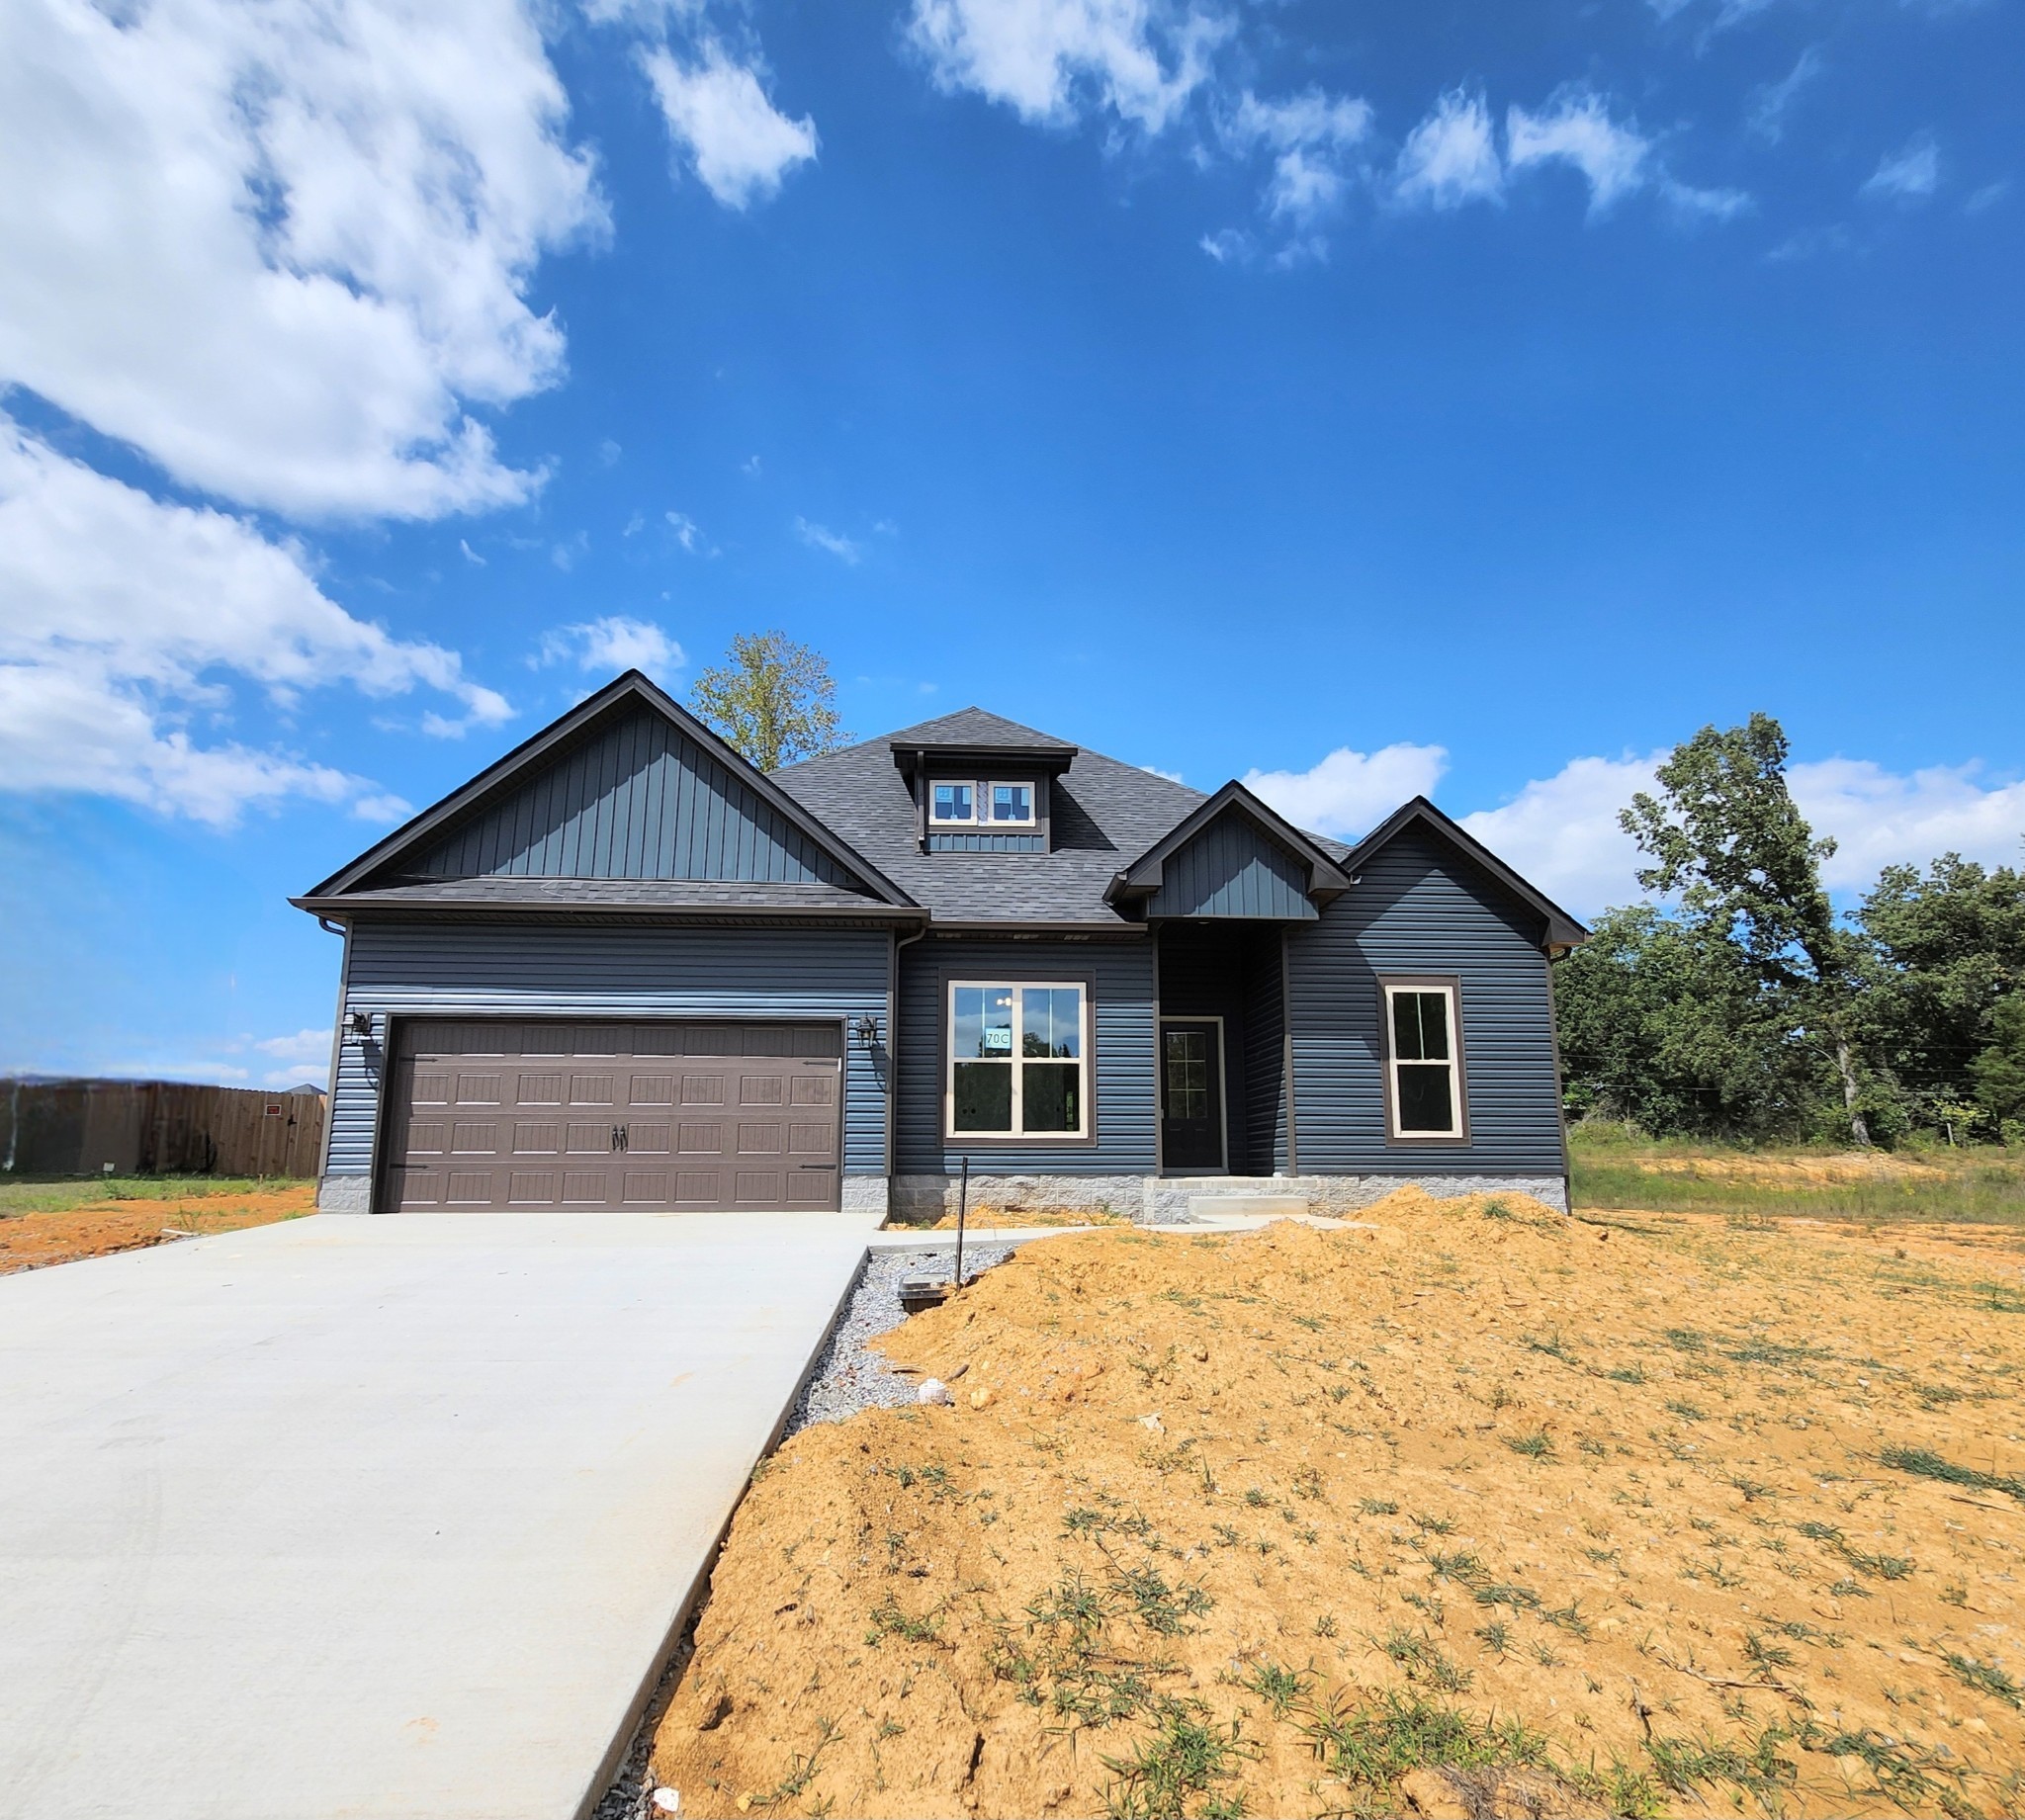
[(957, 1139), (981, 789), (984, 803), (944, 783), (1451, 992)]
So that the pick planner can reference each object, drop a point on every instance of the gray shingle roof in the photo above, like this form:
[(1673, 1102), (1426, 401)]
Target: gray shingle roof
[(972, 727), (1105, 814)]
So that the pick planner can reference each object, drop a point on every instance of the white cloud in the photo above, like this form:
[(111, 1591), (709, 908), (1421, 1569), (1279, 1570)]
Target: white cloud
[(821, 537), (1576, 129), (1349, 793), (1881, 817), (127, 619), (1693, 204), (1449, 159), (1771, 103), (1561, 833), (278, 248), (1052, 60), (613, 644), (1311, 137), (1986, 197), (718, 114), (1914, 170), (302, 1046), (687, 532)]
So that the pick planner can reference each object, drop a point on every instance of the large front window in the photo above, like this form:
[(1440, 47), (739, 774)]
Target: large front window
[(1017, 1060), (1424, 1059)]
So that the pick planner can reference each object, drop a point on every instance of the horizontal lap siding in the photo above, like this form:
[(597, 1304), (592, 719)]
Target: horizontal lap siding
[(1420, 908), (495, 969), (1122, 998)]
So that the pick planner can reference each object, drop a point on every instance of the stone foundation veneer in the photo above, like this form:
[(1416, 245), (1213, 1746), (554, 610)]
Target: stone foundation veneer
[(345, 1194), (1164, 1199), (866, 1194)]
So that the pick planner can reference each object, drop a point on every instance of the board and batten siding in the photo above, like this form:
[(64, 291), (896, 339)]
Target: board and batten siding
[(1121, 997), (1420, 907), (1234, 869), (591, 970), (640, 801)]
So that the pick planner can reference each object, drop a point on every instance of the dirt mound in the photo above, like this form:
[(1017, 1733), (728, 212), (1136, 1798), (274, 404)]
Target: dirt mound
[(1480, 1506), (986, 1219), (30, 1240)]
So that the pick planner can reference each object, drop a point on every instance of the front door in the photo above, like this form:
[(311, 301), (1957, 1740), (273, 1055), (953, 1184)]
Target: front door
[(1192, 1096)]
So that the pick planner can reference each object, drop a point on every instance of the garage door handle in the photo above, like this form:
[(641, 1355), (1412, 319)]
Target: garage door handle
[(817, 1166), (621, 1137)]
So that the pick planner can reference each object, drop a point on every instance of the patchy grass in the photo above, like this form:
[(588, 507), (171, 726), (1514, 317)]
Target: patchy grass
[(21, 1194), (1654, 1516), (1611, 1167), (187, 1206)]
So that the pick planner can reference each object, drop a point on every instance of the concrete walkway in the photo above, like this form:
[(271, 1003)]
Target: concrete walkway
[(388, 1518)]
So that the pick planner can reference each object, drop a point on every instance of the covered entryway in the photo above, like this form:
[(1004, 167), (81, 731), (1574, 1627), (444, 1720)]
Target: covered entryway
[(540, 1114)]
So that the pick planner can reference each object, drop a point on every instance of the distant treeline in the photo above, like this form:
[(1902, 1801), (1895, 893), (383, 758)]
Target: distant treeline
[(1742, 1005)]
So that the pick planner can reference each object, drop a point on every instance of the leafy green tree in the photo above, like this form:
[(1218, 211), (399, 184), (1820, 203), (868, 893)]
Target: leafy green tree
[(1948, 949), (2000, 1071), (774, 701), (1662, 1023), (1726, 838)]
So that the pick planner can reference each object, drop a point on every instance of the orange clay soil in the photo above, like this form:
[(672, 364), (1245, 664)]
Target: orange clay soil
[(985, 1219), (1481, 1510), (30, 1240)]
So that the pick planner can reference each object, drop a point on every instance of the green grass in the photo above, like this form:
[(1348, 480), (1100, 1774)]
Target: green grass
[(60, 1193), (1611, 1168), (1924, 1464)]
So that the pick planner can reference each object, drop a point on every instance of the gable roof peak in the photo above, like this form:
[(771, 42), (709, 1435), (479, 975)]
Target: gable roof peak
[(975, 726)]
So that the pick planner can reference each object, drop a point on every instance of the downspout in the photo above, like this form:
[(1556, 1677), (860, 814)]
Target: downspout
[(893, 1040), (344, 989), (1553, 1030), (1293, 1154)]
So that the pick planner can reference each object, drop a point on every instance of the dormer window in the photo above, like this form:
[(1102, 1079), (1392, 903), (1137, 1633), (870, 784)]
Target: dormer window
[(1012, 804), (981, 804)]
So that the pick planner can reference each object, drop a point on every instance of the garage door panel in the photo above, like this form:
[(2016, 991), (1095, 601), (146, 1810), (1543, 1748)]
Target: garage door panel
[(558, 1113)]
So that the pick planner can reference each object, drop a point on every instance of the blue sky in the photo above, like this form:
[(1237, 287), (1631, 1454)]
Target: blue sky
[(1454, 398)]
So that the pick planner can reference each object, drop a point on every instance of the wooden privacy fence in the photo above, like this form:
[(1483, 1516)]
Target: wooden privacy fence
[(155, 1128)]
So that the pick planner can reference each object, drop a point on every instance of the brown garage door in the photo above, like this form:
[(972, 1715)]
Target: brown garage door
[(500, 1113)]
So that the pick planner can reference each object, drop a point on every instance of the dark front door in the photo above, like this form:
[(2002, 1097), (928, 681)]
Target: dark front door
[(1192, 1096)]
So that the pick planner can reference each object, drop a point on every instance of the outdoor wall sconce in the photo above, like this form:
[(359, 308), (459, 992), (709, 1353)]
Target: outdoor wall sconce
[(865, 1027), (360, 1025)]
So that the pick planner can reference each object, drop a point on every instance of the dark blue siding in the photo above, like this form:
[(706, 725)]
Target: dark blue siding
[(641, 800), (1420, 907), (1122, 976), (1232, 868), (484, 969)]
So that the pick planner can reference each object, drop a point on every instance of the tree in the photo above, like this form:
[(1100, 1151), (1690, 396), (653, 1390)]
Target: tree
[(1947, 951), (1726, 835), (1662, 1023), (2000, 1070), (774, 700)]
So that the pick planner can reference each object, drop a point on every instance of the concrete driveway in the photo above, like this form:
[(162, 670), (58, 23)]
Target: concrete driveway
[(377, 1518)]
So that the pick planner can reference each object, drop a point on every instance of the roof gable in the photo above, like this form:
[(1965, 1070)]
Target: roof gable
[(1561, 930), (625, 786), (1231, 856)]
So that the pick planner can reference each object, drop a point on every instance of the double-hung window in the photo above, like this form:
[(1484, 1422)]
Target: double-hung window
[(1425, 1099), (1018, 1060), (965, 803)]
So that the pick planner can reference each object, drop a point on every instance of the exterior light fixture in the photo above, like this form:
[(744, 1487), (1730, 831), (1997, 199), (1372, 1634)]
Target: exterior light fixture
[(360, 1025), (865, 1027)]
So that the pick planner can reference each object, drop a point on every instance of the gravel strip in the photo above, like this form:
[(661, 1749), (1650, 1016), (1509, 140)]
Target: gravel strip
[(846, 1378)]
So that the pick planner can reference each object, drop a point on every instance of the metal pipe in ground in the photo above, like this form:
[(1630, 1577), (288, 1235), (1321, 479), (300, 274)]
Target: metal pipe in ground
[(962, 1212)]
